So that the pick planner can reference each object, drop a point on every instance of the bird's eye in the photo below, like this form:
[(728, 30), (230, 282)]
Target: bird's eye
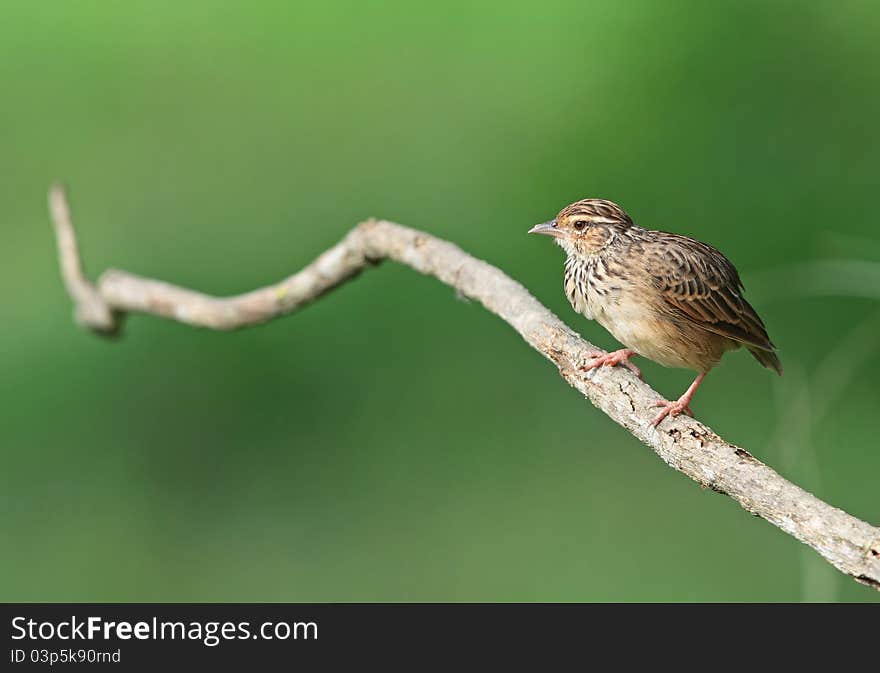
[(580, 225)]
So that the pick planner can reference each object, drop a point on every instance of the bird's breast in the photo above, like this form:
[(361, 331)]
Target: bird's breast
[(625, 305), (594, 288)]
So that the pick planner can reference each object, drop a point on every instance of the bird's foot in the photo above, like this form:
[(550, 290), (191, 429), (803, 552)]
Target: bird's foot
[(621, 357), (680, 406)]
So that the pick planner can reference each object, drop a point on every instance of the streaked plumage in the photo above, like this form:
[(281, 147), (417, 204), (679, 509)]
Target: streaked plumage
[(669, 298)]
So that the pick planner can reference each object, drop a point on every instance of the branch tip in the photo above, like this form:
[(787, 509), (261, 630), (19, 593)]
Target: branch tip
[(90, 309)]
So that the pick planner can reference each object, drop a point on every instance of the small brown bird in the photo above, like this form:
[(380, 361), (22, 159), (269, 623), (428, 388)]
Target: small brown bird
[(669, 298)]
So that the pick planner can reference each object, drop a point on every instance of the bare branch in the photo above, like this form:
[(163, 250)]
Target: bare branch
[(90, 309), (849, 544)]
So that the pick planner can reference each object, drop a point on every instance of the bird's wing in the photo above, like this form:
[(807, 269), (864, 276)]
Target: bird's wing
[(700, 285)]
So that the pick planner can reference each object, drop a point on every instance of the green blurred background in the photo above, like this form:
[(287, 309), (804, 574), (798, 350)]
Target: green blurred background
[(390, 442)]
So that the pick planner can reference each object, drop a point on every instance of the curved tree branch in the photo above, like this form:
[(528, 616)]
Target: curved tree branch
[(849, 544)]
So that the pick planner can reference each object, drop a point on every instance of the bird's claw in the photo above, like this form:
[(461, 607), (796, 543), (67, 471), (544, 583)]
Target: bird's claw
[(602, 359), (671, 409)]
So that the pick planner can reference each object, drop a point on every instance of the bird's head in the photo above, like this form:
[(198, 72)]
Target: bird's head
[(586, 227)]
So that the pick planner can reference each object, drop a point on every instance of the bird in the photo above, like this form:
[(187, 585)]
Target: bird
[(666, 297)]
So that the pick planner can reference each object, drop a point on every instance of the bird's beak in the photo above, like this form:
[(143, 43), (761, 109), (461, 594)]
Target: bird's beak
[(547, 228)]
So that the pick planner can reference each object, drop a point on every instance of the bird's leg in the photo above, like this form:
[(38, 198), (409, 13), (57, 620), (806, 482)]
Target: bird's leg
[(682, 404), (620, 357)]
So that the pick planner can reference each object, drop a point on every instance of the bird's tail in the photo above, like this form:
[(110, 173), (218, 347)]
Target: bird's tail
[(768, 358)]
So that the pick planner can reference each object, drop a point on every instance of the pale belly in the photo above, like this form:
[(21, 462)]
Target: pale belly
[(627, 316)]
